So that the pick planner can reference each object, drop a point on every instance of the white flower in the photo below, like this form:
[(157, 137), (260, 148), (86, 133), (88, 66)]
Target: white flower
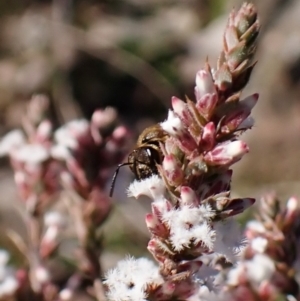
[(4, 257), (67, 134), (173, 125), (260, 268), (131, 278), (104, 118), (54, 218), (41, 274), (32, 154), (292, 205), (60, 152), (54, 222), (10, 141), (257, 270), (8, 286), (259, 244), (153, 187), (206, 272), (66, 294), (205, 294), (8, 282), (209, 278), (44, 130), (256, 226), (229, 240), (188, 225)]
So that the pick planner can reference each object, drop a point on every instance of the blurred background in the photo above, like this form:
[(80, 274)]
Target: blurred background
[(135, 55)]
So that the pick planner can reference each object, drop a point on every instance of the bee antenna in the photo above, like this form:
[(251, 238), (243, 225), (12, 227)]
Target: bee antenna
[(113, 181)]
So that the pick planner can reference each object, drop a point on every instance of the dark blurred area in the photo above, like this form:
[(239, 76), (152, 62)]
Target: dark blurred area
[(135, 55), (91, 54)]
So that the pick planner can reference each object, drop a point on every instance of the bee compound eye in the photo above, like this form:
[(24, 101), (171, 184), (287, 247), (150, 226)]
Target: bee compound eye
[(149, 153)]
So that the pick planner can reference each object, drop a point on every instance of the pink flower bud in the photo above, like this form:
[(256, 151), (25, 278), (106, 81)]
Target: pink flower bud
[(206, 104), (175, 127), (151, 221), (101, 119), (120, 134), (236, 117), (292, 204), (204, 84), (181, 109), (226, 153), (44, 131), (292, 211), (159, 207), (187, 144), (155, 226), (171, 146), (187, 196), (41, 274), (208, 139), (233, 120), (250, 101), (11, 141), (237, 206), (172, 170)]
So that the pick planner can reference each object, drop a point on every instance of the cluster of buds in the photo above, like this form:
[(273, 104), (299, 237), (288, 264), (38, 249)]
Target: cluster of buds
[(88, 151), (191, 196), (30, 156), (266, 270), (73, 164)]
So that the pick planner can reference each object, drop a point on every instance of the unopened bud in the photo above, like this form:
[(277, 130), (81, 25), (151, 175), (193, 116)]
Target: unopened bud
[(226, 153), (44, 131), (42, 274), (206, 104), (104, 118), (204, 84), (208, 139), (187, 196), (236, 206), (172, 170), (11, 141), (155, 226), (160, 207), (181, 109)]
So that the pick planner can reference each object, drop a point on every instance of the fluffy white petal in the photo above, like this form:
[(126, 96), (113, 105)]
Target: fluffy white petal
[(153, 187), (130, 279)]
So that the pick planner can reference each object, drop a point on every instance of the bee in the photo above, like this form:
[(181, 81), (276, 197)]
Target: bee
[(147, 154)]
